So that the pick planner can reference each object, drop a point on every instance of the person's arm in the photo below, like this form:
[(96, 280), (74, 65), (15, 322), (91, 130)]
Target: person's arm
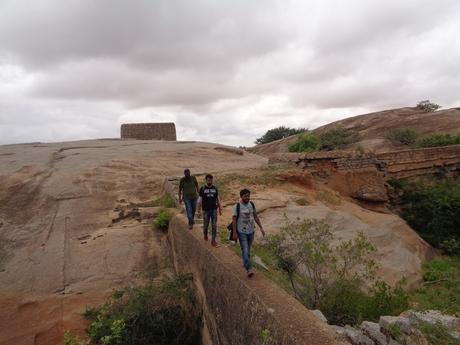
[(198, 205), (256, 218), (181, 186), (196, 185), (235, 235), (218, 203)]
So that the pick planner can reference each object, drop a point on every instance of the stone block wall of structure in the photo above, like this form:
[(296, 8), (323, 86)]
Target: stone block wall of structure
[(149, 131), (394, 165)]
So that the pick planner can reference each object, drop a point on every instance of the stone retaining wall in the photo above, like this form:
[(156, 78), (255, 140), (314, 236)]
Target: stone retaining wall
[(394, 165), (149, 131)]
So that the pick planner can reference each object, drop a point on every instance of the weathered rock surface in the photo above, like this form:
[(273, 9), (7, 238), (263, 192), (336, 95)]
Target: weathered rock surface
[(59, 250), (399, 330)]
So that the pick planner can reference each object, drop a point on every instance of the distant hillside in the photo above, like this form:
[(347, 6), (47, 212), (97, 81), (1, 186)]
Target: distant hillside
[(372, 127)]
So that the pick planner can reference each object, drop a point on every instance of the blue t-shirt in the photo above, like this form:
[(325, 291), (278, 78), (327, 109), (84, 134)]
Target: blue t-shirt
[(246, 221)]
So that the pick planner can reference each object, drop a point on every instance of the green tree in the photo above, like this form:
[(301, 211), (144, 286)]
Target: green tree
[(278, 133), (307, 142), (330, 277), (428, 106), (432, 209)]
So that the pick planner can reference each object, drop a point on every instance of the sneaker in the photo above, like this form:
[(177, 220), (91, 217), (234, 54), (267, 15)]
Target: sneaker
[(205, 237), (215, 244), (250, 273)]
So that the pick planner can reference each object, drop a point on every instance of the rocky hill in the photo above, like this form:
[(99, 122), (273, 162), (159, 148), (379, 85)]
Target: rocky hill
[(64, 241), (372, 127)]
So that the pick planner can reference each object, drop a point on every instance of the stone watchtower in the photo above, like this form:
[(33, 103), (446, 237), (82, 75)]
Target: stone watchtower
[(149, 131)]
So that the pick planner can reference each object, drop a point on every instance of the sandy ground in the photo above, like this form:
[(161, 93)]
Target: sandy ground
[(59, 251)]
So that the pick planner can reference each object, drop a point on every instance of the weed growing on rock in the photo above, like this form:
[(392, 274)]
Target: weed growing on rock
[(161, 221), (266, 337)]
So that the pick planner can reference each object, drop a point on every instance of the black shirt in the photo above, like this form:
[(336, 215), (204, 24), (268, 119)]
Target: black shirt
[(209, 197)]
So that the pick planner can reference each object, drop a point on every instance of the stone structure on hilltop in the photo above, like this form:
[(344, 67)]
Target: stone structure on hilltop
[(149, 131)]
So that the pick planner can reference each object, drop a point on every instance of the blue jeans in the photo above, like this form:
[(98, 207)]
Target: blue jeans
[(207, 216), (245, 244), (190, 208)]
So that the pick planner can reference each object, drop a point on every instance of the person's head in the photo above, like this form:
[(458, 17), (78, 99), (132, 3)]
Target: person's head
[(245, 195), (187, 172), (209, 178)]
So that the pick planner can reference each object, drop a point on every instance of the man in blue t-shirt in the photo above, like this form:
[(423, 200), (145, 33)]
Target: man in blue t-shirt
[(209, 200), (244, 219)]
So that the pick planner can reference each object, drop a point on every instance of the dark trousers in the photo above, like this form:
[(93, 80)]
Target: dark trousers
[(210, 215)]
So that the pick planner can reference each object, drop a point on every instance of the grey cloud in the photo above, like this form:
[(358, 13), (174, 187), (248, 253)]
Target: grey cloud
[(223, 71), (154, 34)]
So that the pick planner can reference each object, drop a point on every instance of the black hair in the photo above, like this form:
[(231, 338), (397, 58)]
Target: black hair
[(186, 170), (244, 191), (209, 176)]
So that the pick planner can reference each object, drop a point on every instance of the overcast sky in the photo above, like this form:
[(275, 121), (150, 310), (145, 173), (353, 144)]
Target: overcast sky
[(223, 71)]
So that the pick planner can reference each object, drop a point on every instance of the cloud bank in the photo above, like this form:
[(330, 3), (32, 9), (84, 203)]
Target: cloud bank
[(224, 71)]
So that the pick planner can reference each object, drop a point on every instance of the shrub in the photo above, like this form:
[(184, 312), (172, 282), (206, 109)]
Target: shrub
[(437, 270), (307, 142), (70, 339), (331, 278), (406, 136), (440, 289), (451, 246), (438, 139), (161, 221), (337, 138), (433, 210), (278, 133), (163, 313), (427, 106), (266, 337)]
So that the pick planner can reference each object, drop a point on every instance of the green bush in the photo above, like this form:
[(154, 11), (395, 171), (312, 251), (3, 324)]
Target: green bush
[(278, 133), (441, 287), (432, 209), (307, 142), (337, 138), (406, 136), (162, 314), (438, 269), (438, 139), (161, 221), (428, 106), (331, 278), (70, 339)]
